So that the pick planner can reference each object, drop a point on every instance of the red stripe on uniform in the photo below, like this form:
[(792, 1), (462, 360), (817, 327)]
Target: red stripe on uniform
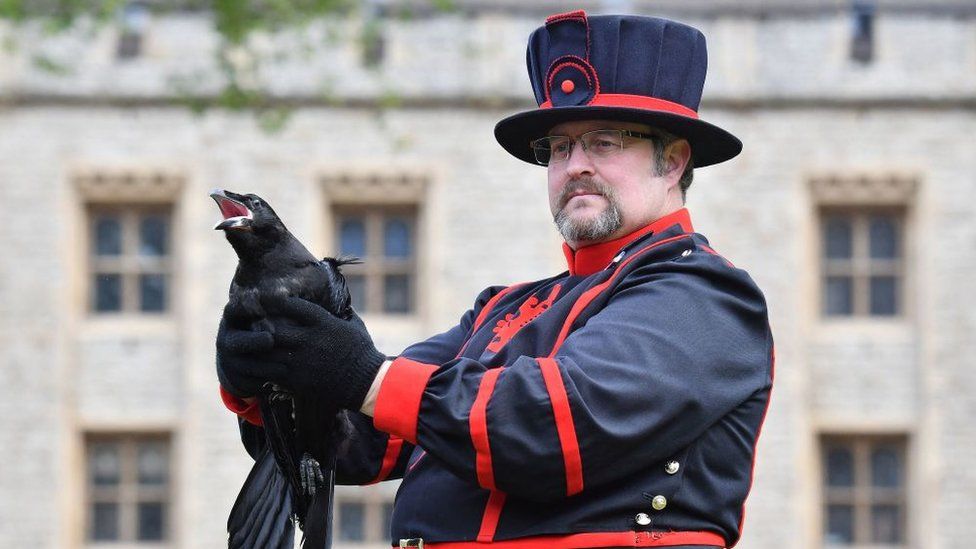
[(493, 511), (393, 447), (478, 425), (564, 425), (490, 305), (577, 14), (593, 539), (398, 402), (589, 295)]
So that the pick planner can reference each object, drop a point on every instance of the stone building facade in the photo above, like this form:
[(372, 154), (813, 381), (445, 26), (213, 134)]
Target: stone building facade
[(850, 205)]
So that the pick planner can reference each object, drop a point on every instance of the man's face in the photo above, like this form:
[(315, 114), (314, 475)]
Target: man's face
[(598, 199)]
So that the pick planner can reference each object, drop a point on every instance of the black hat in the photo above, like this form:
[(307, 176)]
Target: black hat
[(617, 67)]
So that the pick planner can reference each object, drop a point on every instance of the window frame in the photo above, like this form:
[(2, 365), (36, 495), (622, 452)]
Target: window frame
[(861, 266), (130, 264), (862, 495), (375, 265), (128, 493)]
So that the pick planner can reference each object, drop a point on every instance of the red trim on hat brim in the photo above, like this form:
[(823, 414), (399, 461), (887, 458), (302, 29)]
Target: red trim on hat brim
[(709, 143), (635, 102)]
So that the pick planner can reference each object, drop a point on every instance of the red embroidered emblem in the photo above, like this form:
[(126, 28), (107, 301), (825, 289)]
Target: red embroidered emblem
[(506, 328)]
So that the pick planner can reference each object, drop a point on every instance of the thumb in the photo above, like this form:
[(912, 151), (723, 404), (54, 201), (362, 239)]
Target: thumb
[(243, 341), (300, 310)]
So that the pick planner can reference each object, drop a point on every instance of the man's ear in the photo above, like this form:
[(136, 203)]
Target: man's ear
[(676, 157)]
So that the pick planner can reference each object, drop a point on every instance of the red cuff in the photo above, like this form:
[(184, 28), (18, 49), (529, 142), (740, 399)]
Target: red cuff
[(250, 412), (398, 402)]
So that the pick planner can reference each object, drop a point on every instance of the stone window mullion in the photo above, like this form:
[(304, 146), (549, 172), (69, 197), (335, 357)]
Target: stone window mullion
[(376, 263), (862, 267)]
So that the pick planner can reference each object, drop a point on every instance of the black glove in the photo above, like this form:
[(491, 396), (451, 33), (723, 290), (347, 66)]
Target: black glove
[(324, 356), (244, 362)]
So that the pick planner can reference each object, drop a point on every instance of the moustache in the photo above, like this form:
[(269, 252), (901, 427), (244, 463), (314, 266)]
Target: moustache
[(587, 185)]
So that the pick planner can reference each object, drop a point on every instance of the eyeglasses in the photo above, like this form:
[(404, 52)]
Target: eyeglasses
[(596, 144)]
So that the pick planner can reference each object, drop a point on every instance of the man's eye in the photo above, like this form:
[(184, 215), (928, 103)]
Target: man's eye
[(559, 146), (604, 144)]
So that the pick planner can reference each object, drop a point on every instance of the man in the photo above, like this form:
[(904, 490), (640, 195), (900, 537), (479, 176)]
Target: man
[(617, 404)]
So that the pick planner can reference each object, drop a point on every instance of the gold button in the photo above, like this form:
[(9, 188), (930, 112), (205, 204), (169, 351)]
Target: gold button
[(671, 467), (659, 502)]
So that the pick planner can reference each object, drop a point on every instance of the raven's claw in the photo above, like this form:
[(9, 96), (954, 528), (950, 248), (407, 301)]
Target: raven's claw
[(311, 474), (277, 393)]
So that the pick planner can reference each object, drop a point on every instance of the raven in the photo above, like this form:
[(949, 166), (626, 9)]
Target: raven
[(293, 475)]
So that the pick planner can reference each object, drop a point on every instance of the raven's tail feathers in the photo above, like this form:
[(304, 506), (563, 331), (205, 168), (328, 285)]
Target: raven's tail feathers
[(318, 521), (276, 413), (261, 516)]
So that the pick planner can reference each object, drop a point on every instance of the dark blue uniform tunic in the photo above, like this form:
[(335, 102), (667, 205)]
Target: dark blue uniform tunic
[(616, 404)]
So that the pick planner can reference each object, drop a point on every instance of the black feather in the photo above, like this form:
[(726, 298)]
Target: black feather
[(272, 262), (256, 515)]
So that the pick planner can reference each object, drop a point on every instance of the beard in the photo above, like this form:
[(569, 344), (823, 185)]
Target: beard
[(598, 227)]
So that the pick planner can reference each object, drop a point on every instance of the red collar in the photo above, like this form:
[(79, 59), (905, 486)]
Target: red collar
[(595, 257)]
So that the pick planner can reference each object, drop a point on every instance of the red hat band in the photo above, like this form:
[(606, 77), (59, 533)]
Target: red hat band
[(635, 102)]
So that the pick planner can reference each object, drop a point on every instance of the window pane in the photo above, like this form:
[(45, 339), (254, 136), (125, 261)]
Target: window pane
[(396, 293), (351, 521), (152, 292), (352, 237), (840, 467), (883, 295), (104, 465), (357, 291), (108, 236), (840, 524), (885, 468), (108, 292), (396, 238), (839, 295), (105, 521), (153, 463), (885, 526), (837, 238), (884, 237), (153, 235), (150, 521)]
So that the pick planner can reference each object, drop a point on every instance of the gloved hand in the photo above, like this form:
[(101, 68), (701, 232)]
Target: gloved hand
[(244, 360), (324, 356)]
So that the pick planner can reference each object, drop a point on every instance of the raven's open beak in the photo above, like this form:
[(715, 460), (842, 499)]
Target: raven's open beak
[(236, 214)]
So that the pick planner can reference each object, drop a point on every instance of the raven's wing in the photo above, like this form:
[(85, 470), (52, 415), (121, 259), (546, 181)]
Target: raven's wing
[(337, 299)]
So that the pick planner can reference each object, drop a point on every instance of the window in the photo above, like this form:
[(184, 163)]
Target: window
[(862, 31), (384, 238), (127, 488), (352, 521), (864, 499), (862, 255), (376, 217), (129, 258), (132, 27), (363, 521)]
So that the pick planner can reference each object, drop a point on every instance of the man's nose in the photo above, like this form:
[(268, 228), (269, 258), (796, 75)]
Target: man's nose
[(578, 163)]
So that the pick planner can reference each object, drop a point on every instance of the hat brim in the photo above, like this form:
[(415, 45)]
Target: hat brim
[(709, 144)]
